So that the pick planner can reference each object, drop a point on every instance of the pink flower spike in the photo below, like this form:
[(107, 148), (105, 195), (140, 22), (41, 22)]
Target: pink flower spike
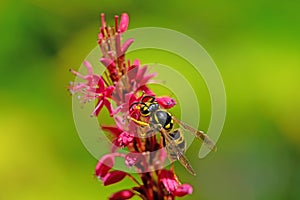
[(124, 22), (123, 194), (104, 165), (183, 190), (113, 177), (166, 102)]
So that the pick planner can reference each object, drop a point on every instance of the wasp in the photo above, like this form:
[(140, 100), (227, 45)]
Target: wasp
[(162, 121)]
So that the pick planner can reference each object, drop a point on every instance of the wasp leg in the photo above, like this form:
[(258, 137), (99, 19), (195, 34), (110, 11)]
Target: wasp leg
[(152, 98), (139, 122), (180, 155), (198, 134)]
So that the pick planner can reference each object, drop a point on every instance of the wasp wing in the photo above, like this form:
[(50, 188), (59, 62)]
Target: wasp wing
[(198, 134), (180, 155)]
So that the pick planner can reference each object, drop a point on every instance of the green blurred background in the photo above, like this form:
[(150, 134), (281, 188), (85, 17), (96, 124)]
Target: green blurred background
[(255, 44)]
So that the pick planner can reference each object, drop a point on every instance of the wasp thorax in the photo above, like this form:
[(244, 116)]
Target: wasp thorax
[(153, 107), (164, 119)]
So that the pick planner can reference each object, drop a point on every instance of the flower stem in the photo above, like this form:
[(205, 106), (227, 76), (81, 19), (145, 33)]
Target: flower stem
[(140, 195), (133, 179)]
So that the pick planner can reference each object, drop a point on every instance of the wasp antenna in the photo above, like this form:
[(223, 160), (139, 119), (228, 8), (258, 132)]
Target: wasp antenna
[(133, 104), (148, 96), (171, 95)]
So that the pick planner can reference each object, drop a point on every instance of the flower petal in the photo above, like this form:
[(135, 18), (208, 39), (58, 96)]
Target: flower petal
[(120, 122), (183, 190), (89, 67), (136, 62), (103, 22), (140, 74), (132, 72), (101, 85), (114, 130), (132, 159), (77, 73), (123, 194), (124, 22), (98, 108), (100, 37), (108, 106), (147, 77), (109, 91), (124, 139), (126, 45), (113, 177), (167, 177), (104, 165), (107, 62)]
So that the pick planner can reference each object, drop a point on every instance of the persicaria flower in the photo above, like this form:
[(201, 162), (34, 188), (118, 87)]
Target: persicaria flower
[(122, 85), (122, 138), (172, 185), (93, 88)]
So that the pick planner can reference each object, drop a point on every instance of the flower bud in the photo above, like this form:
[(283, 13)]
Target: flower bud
[(113, 177), (166, 102), (124, 22), (123, 194), (104, 165)]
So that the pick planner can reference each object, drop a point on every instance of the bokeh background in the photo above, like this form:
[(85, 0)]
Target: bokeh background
[(256, 45)]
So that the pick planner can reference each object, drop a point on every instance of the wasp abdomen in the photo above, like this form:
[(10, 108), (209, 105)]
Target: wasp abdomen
[(178, 138), (175, 135)]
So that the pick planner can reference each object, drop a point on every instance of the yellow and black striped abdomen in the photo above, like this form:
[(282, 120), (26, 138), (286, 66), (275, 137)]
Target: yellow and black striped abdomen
[(179, 140)]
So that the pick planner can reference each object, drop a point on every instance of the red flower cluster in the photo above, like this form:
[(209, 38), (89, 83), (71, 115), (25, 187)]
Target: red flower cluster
[(125, 83)]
